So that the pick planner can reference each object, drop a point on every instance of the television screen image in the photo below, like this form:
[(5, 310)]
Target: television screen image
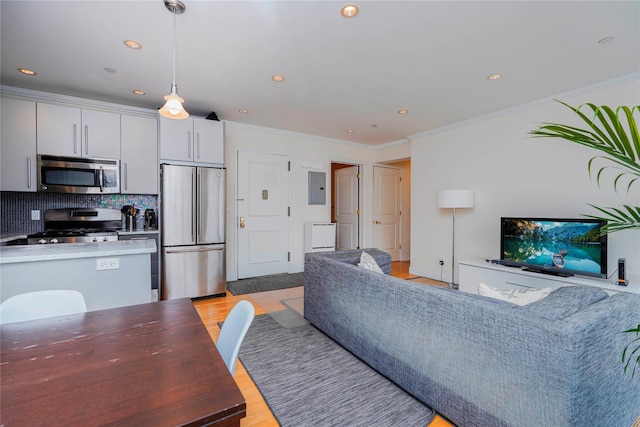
[(556, 246)]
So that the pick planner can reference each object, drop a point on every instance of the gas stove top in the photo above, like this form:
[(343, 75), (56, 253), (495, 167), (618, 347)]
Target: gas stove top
[(71, 236), (78, 225)]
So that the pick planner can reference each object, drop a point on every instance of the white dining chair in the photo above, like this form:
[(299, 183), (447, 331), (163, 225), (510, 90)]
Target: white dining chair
[(233, 330), (40, 305)]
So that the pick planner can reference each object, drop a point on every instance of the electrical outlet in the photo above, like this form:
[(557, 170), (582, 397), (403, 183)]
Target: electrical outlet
[(441, 260), (35, 215), (107, 264)]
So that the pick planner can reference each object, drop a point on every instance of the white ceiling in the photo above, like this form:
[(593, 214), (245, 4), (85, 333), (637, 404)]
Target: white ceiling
[(429, 57)]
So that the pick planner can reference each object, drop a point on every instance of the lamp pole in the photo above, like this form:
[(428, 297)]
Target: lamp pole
[(453, 199), (453, 247)]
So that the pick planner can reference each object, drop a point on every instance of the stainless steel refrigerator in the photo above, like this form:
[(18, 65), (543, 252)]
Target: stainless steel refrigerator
[(192, 231)]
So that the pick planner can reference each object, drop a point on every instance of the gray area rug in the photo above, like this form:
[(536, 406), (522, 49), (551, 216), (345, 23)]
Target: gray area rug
[(265, 283), (307, 379)]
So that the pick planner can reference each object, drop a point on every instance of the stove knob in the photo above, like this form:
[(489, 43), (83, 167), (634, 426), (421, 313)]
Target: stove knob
[(94, 239), (105, 239), (42, 241), (54, 240)]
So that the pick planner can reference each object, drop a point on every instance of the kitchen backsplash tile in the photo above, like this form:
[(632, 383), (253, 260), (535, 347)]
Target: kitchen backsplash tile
[(15, 208)]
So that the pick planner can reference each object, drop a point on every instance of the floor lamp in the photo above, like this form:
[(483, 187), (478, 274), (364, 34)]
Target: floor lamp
[(454, 199)]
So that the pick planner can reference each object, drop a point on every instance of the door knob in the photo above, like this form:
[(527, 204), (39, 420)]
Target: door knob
[(377, 222), (241, 222)]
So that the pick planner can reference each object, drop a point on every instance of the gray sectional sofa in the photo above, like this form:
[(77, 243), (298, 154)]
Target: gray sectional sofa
[(479, 361)]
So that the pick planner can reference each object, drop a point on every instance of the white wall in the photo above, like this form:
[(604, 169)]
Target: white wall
[(511, 174), (298, 147), (392, 152)]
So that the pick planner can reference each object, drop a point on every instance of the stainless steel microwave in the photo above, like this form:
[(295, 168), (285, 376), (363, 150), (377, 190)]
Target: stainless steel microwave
[(78, 175)]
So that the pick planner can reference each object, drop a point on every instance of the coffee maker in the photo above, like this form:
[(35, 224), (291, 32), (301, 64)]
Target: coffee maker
[(150, 219)]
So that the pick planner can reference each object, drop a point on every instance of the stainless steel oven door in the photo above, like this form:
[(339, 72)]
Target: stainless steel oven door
[(78, 175)]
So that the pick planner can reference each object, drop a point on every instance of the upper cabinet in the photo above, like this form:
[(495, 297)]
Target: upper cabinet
[(75, 132), (193, 140), (139, 155), (18, 145)]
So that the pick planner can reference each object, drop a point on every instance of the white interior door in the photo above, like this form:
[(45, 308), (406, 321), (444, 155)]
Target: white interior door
[(346, 182), (263, 219), (386, 210)]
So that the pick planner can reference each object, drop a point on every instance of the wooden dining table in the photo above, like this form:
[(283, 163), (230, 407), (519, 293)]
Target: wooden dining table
[(144, 365)]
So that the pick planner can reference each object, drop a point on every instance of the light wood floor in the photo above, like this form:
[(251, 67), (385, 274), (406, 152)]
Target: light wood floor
[(214, 310)]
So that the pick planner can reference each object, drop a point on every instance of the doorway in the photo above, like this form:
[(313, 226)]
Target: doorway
[(395, 212), (263, 219), (346, 213), (387, 212)]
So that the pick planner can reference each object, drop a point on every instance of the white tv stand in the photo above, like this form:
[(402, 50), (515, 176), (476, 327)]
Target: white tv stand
[(472, 273)]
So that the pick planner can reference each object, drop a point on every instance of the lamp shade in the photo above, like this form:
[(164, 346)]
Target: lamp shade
[(454, 199), (173, 108)]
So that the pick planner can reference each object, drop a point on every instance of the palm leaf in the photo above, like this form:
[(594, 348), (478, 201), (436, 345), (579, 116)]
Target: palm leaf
[(617, 219), (614, 133), (605, 133), (629, 354)]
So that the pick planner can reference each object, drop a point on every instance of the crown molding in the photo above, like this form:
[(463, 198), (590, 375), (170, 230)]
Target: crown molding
[(54, 98), (309, 137), (569, 94), (406, 140)]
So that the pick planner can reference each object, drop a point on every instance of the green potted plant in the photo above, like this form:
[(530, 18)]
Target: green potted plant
[(631, 352), (614, 133)]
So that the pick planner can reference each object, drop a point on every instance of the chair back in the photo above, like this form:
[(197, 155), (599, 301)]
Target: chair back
[(41, 304), (233, 330)]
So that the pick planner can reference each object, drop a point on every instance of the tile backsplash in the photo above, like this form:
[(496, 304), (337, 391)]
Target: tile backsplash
[(15, 207)]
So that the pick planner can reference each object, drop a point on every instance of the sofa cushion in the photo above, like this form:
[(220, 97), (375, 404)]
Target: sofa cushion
[(367, 262), (517, 296), (566, 301), (383, 259)]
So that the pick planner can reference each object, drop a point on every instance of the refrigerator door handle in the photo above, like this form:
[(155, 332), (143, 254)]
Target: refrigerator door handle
[(199, 203), (194, 205), (180, 251)]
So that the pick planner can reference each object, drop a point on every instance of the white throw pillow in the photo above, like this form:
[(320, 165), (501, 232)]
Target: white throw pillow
[(517, 296), (367, 261)]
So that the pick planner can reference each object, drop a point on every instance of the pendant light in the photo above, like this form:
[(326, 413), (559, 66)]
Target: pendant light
[(173, 108)]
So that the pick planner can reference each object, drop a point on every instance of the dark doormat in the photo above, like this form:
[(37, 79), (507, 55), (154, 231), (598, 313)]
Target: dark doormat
[(265, 283)]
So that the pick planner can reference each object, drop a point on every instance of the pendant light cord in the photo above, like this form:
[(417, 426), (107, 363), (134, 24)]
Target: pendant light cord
[(175, 48)]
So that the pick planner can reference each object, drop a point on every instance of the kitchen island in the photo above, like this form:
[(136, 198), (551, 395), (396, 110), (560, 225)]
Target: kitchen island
[(108, 274)]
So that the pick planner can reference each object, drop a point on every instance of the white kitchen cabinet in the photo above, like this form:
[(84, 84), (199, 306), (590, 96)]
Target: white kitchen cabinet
[(209, 141), (75, 132), (75, 266), (192, 140), (139, 155), (18, 145)]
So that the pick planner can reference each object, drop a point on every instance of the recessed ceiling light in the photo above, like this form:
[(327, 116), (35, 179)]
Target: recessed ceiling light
[(494, 76), (606, 40), (277, 78), (403, 111), (350, 130), (138, 92), (349, 11), (27, 71), (243, 111), (132, 44), (110, 70)]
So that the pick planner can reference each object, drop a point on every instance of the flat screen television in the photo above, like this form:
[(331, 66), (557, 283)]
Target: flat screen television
[(564, 247)]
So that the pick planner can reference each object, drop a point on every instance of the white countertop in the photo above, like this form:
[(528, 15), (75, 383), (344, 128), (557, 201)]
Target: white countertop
[(4, 238), (34, 253), (139, 231)]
